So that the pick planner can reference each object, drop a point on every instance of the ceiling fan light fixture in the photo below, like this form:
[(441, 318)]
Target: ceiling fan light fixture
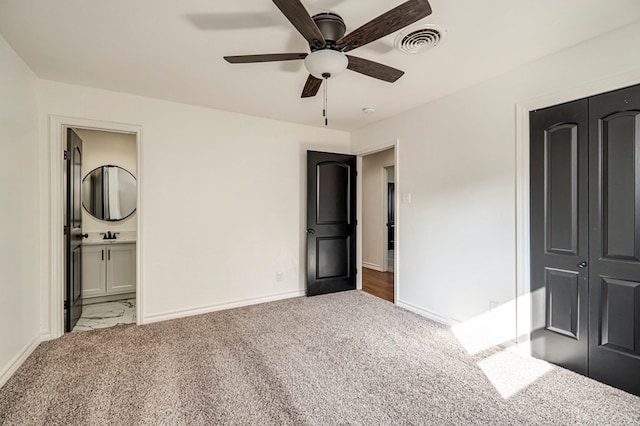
[(326, 63)]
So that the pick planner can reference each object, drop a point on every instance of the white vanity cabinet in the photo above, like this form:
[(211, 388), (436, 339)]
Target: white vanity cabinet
[(108, 269), (94, 273)]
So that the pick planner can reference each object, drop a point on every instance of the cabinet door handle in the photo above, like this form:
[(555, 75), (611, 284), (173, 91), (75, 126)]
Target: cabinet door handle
[(103, 255), (108, 254)]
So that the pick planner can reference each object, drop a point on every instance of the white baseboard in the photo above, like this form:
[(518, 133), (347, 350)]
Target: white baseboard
[(218, 307), (86, 301), (427, 314), (17, 360), (372, 266)]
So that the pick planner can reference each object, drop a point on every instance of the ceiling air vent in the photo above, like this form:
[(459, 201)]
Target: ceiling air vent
[(419, 38)]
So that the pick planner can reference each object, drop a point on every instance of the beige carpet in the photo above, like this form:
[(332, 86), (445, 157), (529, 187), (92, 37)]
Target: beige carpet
[(346, 358)]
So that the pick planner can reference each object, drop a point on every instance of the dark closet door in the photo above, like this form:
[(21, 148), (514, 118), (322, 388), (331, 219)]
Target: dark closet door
[(614, 264), (559, 229), (331, 222), (73, 231)]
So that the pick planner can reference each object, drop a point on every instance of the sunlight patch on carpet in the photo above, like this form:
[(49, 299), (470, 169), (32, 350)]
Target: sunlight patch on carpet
[(510, 372)]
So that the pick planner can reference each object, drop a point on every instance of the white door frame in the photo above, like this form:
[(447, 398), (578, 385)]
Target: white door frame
[(523, 297), (385, 218), (396, 270), (58, 126)]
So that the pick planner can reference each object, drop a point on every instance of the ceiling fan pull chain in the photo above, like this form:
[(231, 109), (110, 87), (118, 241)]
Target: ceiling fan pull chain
[(325, 112)]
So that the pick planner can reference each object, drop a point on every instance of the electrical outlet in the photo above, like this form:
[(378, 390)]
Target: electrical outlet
[(493, 305), (279, 276)]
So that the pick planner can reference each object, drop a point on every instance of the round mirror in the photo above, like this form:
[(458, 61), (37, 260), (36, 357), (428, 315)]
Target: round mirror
[(109, 193)]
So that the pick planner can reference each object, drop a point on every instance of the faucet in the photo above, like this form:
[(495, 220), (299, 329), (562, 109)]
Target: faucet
[(108, 235)]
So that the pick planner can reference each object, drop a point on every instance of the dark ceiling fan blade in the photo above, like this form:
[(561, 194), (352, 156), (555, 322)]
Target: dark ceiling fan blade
[(273, 57), (295, 12), (399, 17), (374, 69), (311, 87)]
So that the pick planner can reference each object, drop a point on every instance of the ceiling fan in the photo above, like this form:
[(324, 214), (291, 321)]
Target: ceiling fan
[(328, 43)]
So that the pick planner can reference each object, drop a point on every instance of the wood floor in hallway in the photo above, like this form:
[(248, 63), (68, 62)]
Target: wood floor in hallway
[(379, 284)]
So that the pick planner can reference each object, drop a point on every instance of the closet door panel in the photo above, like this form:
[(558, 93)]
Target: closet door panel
[(559, 229), (614, 218)]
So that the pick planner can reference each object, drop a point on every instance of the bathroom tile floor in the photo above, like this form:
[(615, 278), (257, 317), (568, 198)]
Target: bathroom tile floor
[(108, 314)]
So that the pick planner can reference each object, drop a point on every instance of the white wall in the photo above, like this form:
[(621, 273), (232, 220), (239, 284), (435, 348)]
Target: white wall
[(222, 206), (457, 241), (374, 208), (19, 221), (99, 149)]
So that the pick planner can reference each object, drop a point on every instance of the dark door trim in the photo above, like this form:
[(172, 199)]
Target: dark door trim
[(523, 267), (53, 326)]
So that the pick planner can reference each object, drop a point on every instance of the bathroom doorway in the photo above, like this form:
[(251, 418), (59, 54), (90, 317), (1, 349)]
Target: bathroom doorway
[(109, 250), (108, 195)]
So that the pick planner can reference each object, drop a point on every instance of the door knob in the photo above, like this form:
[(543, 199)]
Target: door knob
[(582, 264), (311, 231)]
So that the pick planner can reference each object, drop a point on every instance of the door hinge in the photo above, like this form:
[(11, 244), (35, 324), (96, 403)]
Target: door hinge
[(66, 155), (65, 230)]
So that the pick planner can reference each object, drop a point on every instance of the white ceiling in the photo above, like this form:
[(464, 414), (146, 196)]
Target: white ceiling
[(173, 50)]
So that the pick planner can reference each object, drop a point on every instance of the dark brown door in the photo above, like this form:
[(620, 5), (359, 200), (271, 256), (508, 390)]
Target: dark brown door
[(614, 261), (391, 214), (585, 236), (331, 222), (559, 224), (73, 231)]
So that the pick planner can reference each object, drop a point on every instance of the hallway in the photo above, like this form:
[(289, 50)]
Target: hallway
[(379, 284)]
